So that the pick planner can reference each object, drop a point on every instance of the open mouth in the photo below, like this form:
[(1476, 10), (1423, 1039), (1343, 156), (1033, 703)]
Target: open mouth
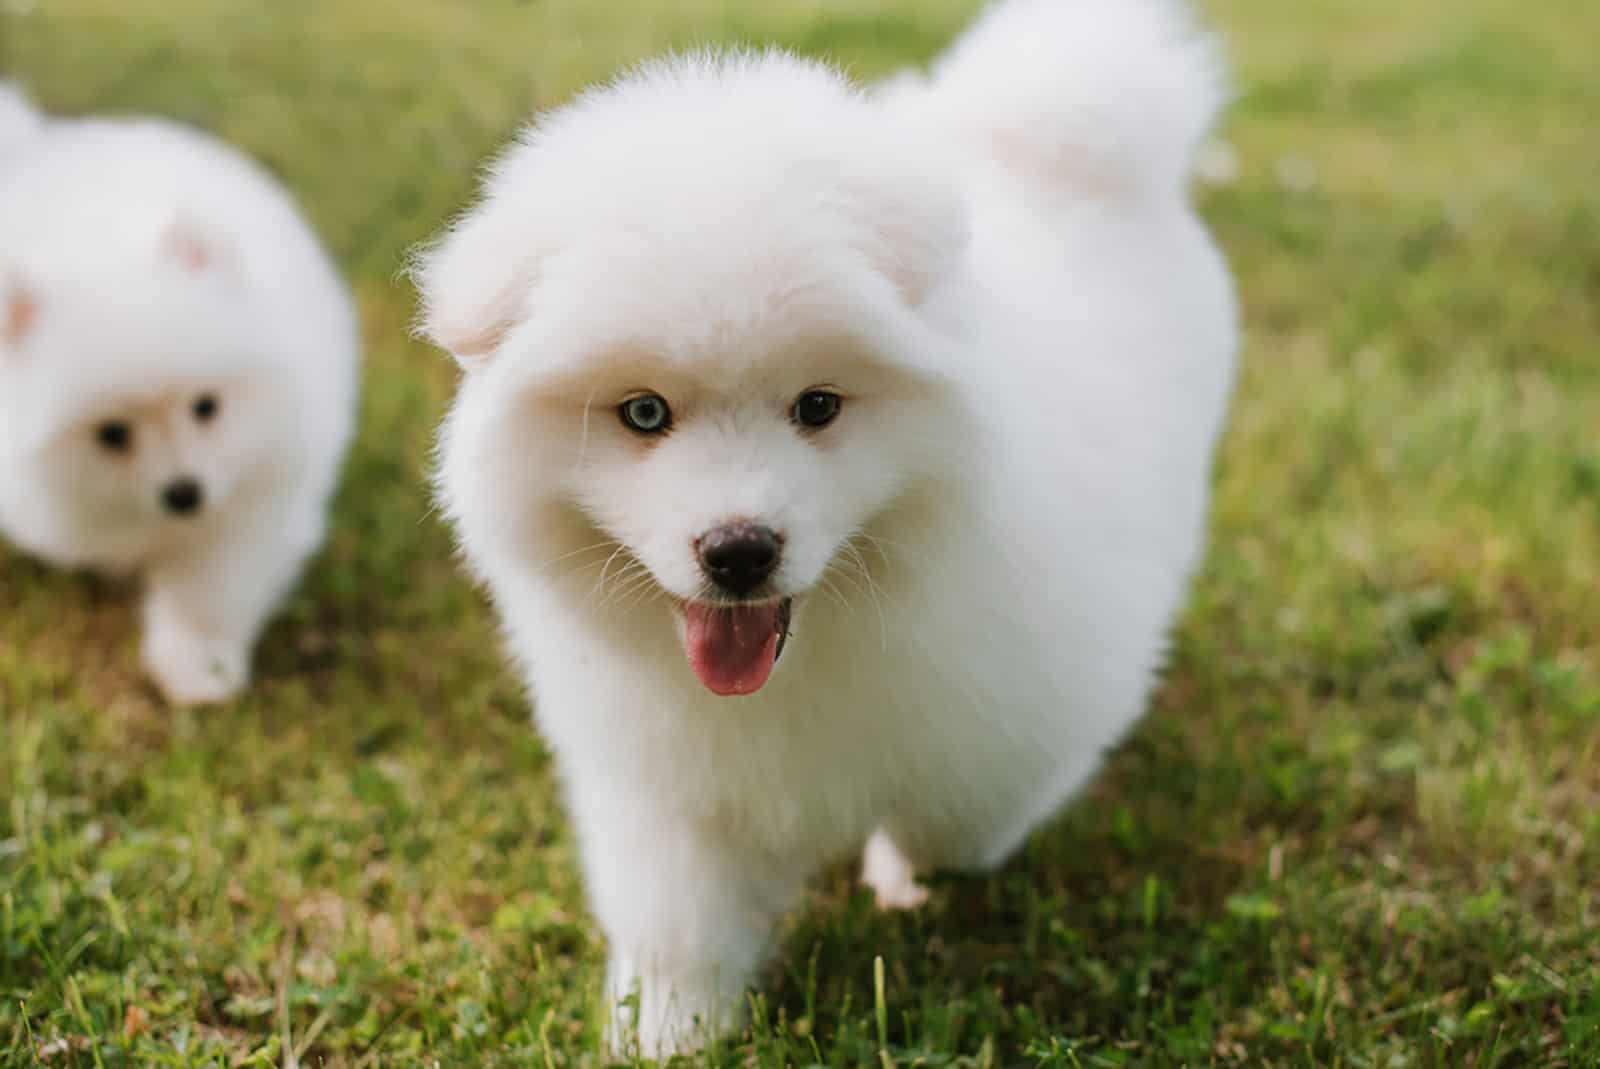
[(732, 648)]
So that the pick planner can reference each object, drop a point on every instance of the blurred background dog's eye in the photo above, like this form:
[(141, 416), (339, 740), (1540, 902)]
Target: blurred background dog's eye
[(115, 436), (205, 408), (816, 408), (647, 414)]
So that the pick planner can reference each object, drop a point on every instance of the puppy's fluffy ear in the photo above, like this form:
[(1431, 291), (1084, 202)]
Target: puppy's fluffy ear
[(188, 247), (916, 245), (19, 311), (200, 253), (913, 228), (474, 284)]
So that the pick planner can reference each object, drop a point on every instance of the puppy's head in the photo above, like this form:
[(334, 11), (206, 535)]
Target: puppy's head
[(699, 316), (130, 387)]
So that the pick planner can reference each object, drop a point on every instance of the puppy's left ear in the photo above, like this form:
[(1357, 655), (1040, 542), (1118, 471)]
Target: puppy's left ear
[(914, 232), (916, 253), (19, 311), (188, 248), (199, 252), (474, 284)]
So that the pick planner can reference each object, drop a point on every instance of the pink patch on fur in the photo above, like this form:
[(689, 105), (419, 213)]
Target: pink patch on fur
[(189, 250), (21, 313)]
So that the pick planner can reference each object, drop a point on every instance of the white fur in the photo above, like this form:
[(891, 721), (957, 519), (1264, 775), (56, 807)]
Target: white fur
[(19, 122), (1000, 271), (143, 265)]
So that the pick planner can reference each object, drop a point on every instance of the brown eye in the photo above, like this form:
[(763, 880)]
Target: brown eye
[(114, 436), (647, 413), (817, 408), (205, 407)]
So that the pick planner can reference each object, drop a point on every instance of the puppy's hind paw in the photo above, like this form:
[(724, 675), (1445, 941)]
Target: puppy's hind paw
[(891, 875), (190, 670)]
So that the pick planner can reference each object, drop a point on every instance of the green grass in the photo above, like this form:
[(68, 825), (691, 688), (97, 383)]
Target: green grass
[(1360, 828)]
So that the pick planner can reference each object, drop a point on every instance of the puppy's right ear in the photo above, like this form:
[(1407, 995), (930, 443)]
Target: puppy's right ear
[(474, 284), (19, 311)]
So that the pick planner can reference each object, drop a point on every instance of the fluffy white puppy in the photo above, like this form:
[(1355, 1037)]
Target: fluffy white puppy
[(919, 390), (178, 375)]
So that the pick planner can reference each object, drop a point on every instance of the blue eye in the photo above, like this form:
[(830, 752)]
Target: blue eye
[(647, 414), (817, 408)]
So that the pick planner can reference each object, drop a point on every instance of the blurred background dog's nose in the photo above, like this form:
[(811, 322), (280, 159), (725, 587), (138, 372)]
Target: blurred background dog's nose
[(739, 557), (182, 496)]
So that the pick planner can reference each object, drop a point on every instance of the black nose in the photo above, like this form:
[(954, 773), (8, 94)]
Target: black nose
[(739, 557), (182, 496)]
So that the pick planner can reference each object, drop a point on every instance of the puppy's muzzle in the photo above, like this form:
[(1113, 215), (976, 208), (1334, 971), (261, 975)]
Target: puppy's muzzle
[(739, 557)]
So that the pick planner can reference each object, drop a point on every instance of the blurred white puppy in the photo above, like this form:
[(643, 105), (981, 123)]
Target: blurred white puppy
[(931, 379), (178, 375)]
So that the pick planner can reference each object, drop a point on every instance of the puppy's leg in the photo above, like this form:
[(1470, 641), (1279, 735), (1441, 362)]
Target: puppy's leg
[(891, 875), (688, 917), (981, 834), (204, 610), (995, 842)]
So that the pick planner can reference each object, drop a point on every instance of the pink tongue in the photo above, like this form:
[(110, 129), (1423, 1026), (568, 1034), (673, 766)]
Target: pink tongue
[(731, 649)]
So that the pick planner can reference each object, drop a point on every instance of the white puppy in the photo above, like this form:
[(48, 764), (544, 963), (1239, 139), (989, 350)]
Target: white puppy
[(919, 390), (178, 374)]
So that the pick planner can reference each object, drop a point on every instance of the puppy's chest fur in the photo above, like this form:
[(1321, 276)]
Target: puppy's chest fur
[(855, 730)]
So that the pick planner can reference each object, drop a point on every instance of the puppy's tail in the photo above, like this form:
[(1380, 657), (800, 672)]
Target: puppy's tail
[(1104, 96), (19, 121)]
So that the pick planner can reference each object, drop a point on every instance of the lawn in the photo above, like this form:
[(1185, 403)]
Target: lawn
[(1361, 826)]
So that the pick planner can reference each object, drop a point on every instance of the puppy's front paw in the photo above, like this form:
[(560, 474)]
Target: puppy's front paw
[(191, 669), (657, 1020), (891, 875)]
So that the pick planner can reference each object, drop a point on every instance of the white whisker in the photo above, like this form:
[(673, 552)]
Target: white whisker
[(627, 582), (583, 442), (873, 591), (565, 556), (827, 586), (621, 549), (882, 545)]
